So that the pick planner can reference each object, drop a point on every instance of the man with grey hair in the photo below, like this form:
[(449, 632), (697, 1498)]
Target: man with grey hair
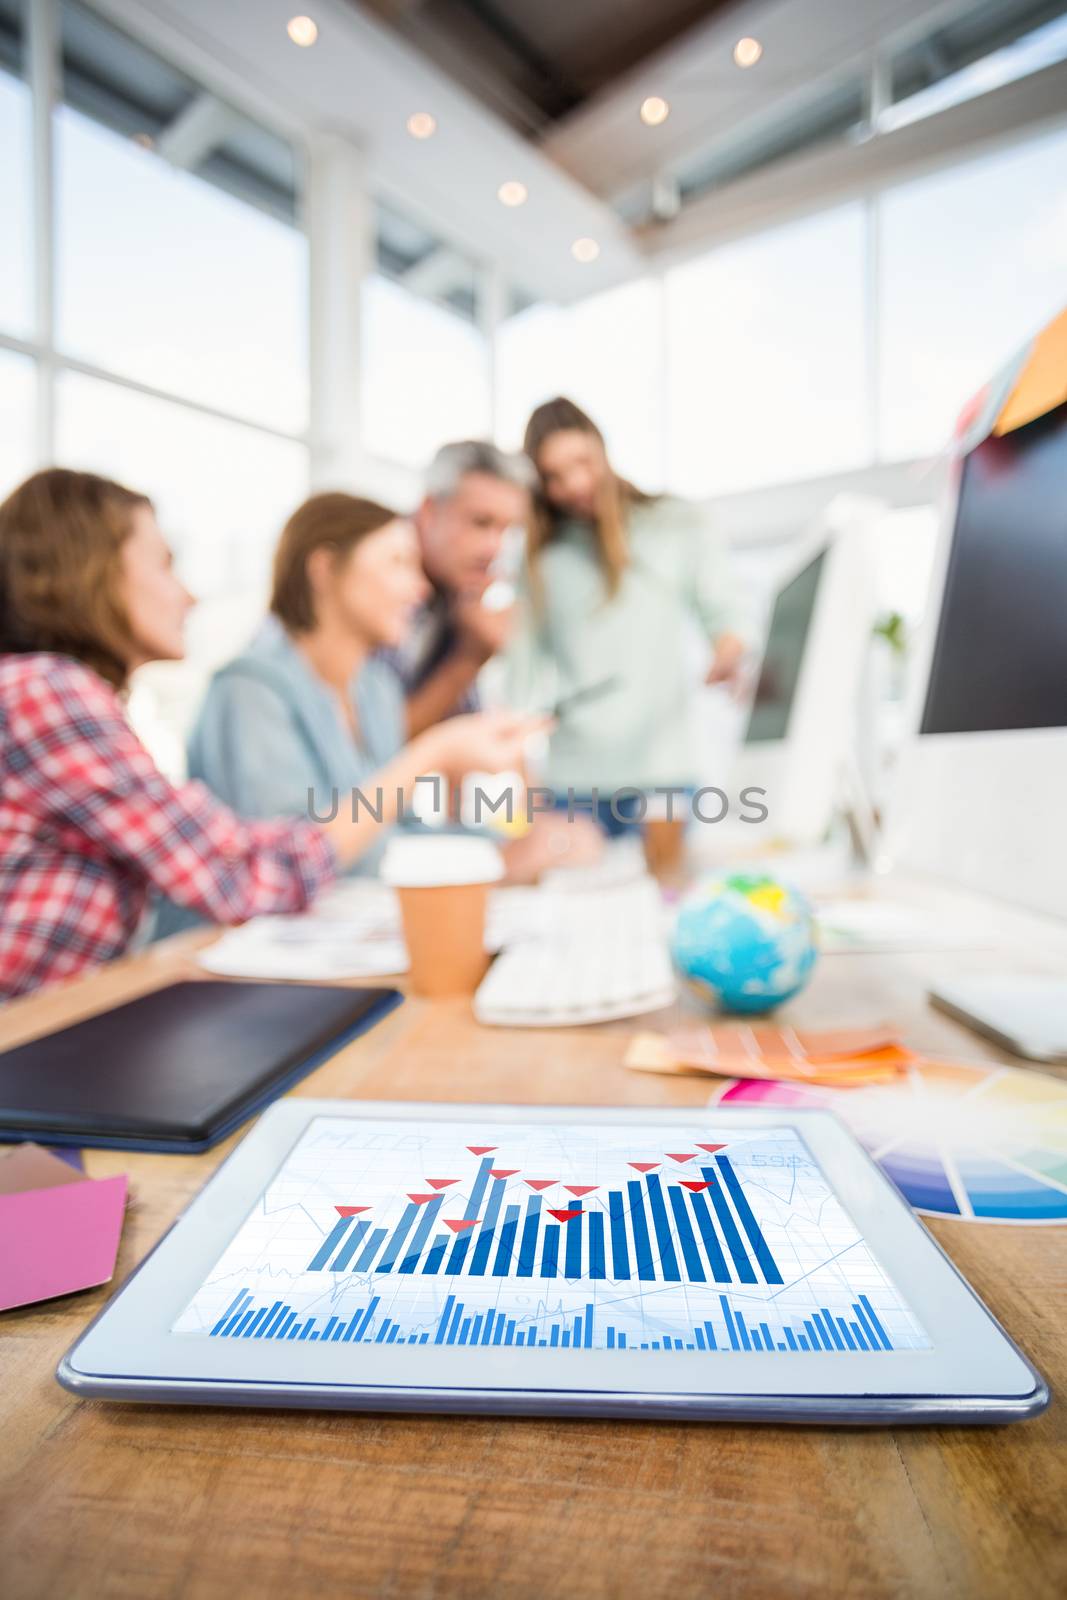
[(473, 494)]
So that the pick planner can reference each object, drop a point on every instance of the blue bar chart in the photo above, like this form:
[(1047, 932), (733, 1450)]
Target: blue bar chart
[(541, 1238), (729, 1328), (651, 1231)]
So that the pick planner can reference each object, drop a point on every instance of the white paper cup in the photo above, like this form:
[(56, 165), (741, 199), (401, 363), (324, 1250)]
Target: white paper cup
[(442, 884)]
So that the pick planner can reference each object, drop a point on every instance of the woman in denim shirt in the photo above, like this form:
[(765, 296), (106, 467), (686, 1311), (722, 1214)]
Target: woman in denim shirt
[(305, 714)]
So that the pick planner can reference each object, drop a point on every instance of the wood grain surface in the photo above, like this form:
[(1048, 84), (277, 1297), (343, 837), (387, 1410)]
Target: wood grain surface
[(105, 1500)]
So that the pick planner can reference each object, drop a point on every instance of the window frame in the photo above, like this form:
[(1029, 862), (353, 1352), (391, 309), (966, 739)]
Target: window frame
[(42, 52), (334, 434)]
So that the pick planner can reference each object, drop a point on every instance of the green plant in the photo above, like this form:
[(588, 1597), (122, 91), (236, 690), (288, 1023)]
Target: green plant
[(892, 628)]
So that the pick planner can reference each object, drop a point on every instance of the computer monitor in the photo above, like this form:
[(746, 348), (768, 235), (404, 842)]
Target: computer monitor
[(783, 655), (981, 795), (799, 741)]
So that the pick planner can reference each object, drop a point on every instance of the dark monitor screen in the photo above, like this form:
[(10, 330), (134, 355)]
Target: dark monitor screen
[(1000, 660), (783, 656)]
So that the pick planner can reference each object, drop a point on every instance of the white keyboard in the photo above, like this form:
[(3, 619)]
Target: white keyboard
[(596, 957)]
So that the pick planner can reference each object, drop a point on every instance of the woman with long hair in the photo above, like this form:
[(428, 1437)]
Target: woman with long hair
[(89, 828), (613, 577)]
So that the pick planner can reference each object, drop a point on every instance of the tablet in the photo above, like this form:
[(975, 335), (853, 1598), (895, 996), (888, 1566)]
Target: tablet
[(179, 1068), (593, 1261)]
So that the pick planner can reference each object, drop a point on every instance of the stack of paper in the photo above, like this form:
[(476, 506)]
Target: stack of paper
[(353, 931), (59, 1231), (301, 947), (847, 1057)]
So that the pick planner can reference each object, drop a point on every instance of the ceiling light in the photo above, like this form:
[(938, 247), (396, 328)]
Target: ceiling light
[(654, 110), (302, 31), (747, 52), (585, 250), (512, 193), (421, 125)]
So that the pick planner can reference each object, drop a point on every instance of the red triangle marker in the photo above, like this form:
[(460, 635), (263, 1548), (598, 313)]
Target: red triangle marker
[(350, 1211), (688, 1183), (502, 1172), (480, 1149), (692, 1155), (421, 1199), (580, 1188), (565, 1216), (541, 1183), (458, 1227), (644, 1166), (441, 1183), (711, 1148)]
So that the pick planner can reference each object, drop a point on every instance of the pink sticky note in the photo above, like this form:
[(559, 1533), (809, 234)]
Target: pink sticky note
[(53, 1241)]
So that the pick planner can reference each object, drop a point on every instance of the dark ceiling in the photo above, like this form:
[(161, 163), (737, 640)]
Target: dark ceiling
[(534, 61)]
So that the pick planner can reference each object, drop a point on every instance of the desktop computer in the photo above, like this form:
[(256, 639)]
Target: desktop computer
[(981, 795), (800, 739)]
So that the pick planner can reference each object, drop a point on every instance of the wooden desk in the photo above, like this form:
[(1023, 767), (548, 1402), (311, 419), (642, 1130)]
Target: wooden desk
[(100, 1500)]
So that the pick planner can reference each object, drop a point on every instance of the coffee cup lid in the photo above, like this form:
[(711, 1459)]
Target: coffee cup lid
[(419, 861)]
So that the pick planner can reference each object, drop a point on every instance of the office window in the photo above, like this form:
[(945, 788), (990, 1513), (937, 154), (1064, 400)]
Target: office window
[(222, 491), (179, 262), (604, 353), (408, 253), (613, 348), (973, 261), (16, 219), (766, 358), (425, 374), (165, 279), (530, 367), (18, 377), (904, 552)]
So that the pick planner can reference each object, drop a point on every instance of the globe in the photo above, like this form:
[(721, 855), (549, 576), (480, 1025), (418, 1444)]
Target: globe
[(745, 941)]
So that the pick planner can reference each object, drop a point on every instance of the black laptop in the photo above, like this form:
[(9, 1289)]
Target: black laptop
[(180, 1068)]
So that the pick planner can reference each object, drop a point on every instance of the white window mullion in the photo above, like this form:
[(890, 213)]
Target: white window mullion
[(44, 80), (340, 236)]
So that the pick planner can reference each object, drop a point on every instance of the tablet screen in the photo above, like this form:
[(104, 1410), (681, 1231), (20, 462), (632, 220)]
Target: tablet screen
[(579, 1236)]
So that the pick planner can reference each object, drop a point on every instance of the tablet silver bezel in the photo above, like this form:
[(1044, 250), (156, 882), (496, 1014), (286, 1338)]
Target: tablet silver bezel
[(972, 1368)]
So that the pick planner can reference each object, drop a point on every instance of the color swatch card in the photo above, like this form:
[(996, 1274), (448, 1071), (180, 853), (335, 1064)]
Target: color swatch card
[(970, 1140), (31, 1166), (848, 1057), (59, 1231)]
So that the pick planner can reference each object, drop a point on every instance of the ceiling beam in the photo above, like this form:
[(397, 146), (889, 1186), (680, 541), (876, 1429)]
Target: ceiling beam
[(935, 60), (439, 271), (448, 184), (196, 132), (831, 175)]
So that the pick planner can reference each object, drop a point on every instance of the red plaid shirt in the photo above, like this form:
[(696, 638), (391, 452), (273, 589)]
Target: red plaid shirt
[(89, 826)]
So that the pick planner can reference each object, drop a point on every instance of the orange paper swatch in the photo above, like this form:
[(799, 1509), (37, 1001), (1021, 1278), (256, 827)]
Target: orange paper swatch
[(846, 1057)]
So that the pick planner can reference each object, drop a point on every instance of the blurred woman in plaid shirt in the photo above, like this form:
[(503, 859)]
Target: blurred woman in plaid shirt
[(88, 825)]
